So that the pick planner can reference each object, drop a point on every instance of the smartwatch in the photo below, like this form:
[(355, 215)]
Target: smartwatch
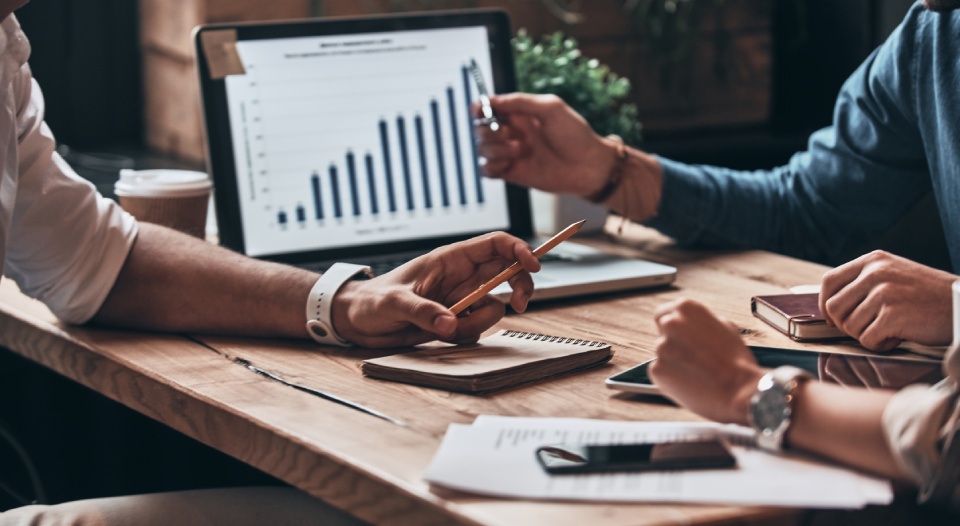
[(320, 301), (771, 405)]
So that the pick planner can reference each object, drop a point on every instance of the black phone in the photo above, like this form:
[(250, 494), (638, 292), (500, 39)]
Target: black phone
[(580, 458)]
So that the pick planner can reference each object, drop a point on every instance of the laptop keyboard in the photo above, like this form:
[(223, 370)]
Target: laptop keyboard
[(382, 266)]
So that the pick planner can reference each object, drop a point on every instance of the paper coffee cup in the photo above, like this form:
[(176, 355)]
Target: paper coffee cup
[(174, 198)]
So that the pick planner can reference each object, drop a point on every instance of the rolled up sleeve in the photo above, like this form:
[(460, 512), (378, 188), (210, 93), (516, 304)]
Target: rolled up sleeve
[(922, 424), (66, 243)]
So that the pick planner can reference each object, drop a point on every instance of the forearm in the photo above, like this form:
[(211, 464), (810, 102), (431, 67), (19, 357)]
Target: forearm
[(816, 207), (703, 364), (709, 206), (173, 282), (638, 191), (844, 425), (702, 205)]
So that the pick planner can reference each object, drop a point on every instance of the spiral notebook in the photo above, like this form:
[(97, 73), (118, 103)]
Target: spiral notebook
[(502, 360)]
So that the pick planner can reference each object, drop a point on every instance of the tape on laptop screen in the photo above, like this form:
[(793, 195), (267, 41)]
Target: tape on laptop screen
[(220, 50)]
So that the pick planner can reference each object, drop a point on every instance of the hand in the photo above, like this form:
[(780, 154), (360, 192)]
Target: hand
[(882, 299), (544, 144), (702, 363), (409, 305)]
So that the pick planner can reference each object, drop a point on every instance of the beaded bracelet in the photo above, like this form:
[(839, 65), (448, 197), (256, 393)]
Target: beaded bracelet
[(616, 173)]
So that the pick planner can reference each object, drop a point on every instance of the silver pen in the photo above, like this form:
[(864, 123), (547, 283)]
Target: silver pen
[(488, 118)]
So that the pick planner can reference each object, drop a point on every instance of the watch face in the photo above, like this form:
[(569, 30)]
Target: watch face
[(771, 409)]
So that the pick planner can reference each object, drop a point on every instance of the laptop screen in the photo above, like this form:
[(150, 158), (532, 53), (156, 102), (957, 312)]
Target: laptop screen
[(342, 138)]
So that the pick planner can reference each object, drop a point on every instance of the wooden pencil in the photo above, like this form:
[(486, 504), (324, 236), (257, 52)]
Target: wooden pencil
[(515, 269)]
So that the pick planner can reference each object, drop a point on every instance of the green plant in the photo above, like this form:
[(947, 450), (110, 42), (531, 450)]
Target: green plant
[(555, 65)]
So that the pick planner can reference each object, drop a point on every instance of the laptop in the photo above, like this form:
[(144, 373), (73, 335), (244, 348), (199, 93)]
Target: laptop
[(352, 140)]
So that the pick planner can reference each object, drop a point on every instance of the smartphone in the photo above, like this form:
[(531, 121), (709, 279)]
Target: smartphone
[(578, 458), (884, 372)]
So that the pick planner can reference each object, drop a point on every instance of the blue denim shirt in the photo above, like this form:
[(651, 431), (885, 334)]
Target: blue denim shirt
[(895, 135)]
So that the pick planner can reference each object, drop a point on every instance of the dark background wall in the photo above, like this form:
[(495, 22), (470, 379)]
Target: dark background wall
[(86, 58), (816, 54)]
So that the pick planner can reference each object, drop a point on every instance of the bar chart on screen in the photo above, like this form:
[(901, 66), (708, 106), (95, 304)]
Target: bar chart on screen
[(354, 139)]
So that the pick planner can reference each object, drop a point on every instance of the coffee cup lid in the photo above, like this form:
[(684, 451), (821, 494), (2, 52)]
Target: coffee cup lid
[(162, 183)]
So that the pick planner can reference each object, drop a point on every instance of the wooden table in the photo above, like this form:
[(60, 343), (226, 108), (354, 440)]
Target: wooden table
[(370, 467)]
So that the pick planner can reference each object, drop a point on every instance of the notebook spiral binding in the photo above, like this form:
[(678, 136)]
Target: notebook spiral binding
[(552, 339)]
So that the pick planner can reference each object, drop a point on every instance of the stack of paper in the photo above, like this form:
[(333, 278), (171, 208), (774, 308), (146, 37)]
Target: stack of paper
[(495, 456)]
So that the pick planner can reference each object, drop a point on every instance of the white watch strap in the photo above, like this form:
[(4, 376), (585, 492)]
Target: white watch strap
[(320, 301)]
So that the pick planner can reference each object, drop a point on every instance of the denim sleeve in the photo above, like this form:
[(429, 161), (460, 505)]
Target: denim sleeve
[(856, 178)]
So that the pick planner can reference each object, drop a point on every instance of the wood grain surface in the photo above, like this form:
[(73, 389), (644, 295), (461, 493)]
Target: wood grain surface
[(373, 468)]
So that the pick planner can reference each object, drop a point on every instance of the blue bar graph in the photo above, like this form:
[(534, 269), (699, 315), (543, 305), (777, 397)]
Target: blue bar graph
[(405, 158), (473, 139), (441, 161), (352, 177), (335, 189), (387, 165), (444, 158), (371, 184), (317, 201), (424, 171), (452, 107)]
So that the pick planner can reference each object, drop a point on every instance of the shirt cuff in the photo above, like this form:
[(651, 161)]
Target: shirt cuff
[(684, 202), (97, 275), (921, 424)]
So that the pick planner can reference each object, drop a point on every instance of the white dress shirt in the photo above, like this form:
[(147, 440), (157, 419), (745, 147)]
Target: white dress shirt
[(61, 241), (922, 424)]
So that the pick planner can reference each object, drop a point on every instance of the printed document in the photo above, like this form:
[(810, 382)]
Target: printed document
[(496, 456)]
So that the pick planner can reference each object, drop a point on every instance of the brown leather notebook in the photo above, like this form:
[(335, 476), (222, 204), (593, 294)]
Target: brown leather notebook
[(796, 315), (499, 361)]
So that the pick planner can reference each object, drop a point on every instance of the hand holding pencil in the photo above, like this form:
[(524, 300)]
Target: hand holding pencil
[(407, 305), (410, 304), (515, 269)]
